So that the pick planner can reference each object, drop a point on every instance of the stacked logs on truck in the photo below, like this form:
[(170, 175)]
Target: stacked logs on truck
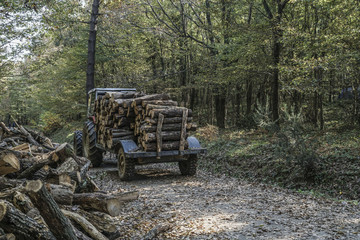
[(113, 117), (46, 192), (160, 124), (154, 121)]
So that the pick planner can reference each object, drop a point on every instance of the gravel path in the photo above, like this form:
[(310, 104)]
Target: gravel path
[(213, 207)]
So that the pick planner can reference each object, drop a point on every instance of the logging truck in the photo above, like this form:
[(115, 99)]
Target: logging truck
[(139, 129)]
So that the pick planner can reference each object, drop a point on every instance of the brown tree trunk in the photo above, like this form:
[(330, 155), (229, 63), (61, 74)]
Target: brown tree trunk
[(90, 84)]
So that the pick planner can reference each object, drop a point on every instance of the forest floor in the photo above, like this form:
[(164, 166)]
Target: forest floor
[(216, 206)]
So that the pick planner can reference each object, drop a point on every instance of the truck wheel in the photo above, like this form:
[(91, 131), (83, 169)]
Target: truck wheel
[(78, 148), (188, 167), (126, 166), (90, 151)]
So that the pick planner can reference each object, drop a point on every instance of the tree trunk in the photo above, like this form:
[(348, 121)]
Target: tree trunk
[(220, 110), (90, 84)]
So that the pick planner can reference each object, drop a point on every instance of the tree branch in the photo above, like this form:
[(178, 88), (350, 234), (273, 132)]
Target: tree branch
[(267, 9)]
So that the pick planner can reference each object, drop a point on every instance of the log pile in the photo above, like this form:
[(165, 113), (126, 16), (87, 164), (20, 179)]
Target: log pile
[(154, 122), (46, 193), (113, 118)]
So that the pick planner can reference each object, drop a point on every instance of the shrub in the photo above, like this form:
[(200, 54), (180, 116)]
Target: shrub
[(50, 122), (297, 148)]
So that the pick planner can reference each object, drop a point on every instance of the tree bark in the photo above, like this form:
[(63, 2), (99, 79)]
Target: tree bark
[(108, 203), (58, 224), (90, 84), (85, 224), (24, 227)]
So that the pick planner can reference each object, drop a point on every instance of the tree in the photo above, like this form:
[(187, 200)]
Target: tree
[(90, 84)]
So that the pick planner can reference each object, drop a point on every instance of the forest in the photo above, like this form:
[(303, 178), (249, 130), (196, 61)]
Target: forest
[(270, 88), (284, 71), (224, 59)]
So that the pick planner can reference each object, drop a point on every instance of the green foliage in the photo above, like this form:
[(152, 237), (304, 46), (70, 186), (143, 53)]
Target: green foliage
[(50, 122), (263, 119), (296, 147)]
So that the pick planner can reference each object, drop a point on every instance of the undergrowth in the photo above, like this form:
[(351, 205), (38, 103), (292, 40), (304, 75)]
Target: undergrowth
[(326, 162)]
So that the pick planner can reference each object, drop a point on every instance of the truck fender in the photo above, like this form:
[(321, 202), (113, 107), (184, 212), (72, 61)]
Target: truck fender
[(128, 146), (193, 143)]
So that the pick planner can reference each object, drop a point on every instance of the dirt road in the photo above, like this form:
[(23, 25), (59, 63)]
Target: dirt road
[(219, 207)]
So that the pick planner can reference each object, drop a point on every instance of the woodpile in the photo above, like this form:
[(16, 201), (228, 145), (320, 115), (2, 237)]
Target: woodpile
[(46, 192), (154, 122)]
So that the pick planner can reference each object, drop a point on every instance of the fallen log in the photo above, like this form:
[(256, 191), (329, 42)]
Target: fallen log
[(23, 227), (108, 203), (86, 225), (102, 221), (58, 224)]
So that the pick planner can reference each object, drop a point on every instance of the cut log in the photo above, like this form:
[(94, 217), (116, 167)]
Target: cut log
[(80, 235), (108, 203), (6, 183), (121, 134), (159, 102), (167, 120), (58, 224), (166, 136), (138, 101), (68, 166), (102, 221), (166, 146), (158, 134), (22, 226), (166, 127), (62, 194), (3, 126), (8, 236), (9, 163), (22, 202), (183, 130), (173, 112), (150, 107), (86, 225), (34, 168), (62, 152), (25, 147)]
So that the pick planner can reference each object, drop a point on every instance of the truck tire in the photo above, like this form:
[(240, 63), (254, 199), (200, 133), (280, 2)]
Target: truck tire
[(126, 166), (90, 151), (188, 167), (78, 148)]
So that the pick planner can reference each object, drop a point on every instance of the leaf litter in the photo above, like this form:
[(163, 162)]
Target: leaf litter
[(209, 206)]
